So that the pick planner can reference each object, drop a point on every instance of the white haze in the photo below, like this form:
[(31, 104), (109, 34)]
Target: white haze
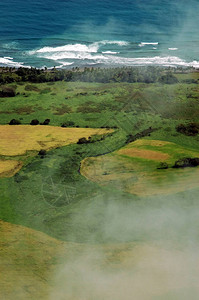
[(157, 258)]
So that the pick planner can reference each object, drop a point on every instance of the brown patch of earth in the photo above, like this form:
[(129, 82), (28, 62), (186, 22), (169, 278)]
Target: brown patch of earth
[(145, 154)]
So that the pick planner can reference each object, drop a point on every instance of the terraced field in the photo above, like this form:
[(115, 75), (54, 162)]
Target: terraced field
[(135, 168)]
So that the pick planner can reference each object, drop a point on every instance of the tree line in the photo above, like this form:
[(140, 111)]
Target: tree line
[(149, 74)]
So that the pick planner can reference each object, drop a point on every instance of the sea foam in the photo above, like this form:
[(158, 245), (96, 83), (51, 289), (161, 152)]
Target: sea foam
[(142, 44), (172, 49), (8, 61)]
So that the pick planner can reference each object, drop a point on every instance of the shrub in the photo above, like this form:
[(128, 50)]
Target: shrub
[(82, 141), (42, 153), (34, 122), (191, 129), (46, 122), (186, 162), (14, 122), (7, 92)]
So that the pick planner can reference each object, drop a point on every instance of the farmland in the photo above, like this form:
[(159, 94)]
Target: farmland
[(98, 178)]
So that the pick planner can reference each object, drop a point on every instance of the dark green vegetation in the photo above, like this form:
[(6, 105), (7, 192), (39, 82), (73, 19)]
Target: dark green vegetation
[(125, 74), (50, 194), (191, 129)]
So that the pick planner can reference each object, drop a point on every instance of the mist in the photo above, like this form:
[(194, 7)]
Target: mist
[(149, 251)]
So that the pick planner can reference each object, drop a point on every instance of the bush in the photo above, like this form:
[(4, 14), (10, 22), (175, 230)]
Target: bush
[(191, 129), (14, 122), (186, 162), (82, 141), (46, 122), (42, 153), (34, 122), (7, 92)]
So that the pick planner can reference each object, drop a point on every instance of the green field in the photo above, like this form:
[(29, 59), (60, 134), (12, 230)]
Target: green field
[(106, 195), (128, 108)]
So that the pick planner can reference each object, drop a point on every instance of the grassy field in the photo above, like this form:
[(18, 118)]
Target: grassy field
[(128, 108), (106, 197)]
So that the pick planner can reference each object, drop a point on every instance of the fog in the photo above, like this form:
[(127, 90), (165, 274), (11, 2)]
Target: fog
[(150, 251)]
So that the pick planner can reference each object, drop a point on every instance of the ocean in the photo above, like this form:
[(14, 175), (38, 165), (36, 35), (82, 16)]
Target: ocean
[(79, 33)]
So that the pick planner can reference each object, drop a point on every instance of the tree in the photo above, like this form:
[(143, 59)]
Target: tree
[(14, 122), (42, 153), (168, 79), (34, 122), (82, 141)]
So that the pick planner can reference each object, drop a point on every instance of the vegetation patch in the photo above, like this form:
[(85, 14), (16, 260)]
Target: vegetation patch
[(190, 129), (64, 109), (32, 88)]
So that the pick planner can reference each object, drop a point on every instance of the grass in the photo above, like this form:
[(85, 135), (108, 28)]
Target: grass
[(131, 107)]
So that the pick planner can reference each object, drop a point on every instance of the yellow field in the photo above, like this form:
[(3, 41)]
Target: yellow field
[(16, 140), (9, 168)]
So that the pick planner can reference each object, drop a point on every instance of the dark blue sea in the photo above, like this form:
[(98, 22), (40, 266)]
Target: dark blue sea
[(70, 33)]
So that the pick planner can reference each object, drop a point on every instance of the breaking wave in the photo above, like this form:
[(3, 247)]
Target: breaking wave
[(8, 61), (92, 48), (142, 44)]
